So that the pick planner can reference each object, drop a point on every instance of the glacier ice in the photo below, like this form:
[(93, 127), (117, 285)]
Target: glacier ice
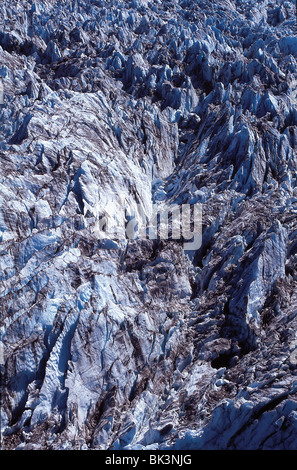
[(112, 108)]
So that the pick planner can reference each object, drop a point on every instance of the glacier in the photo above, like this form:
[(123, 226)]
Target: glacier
[(110, 108)]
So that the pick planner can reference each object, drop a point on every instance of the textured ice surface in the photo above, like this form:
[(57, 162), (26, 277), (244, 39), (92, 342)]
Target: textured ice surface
[(137, 344)]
